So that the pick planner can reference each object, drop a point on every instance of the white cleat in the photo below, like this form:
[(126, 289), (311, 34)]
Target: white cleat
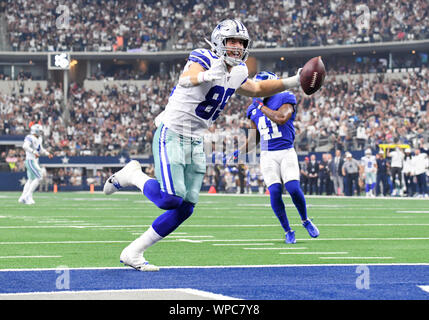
[(136, 261), (28, 200), (122, 178), (21, 199)]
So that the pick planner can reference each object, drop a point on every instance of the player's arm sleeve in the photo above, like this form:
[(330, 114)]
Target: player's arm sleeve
[(27, 146), (289, 97), (198, 62), (200, 57), (44, 151)]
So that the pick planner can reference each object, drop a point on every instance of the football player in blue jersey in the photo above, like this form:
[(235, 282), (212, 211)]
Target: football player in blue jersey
[(272, 120)]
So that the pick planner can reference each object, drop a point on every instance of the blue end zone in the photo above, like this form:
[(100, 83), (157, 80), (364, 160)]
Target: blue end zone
[(387, 282)]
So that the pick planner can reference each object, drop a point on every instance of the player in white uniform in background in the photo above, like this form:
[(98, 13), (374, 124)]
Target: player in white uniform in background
[(397, 161), (209, 79), (33, 149), (369, 172)]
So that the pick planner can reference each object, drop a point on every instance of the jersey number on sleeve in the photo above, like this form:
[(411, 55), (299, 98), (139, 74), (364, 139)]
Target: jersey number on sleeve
[(264, 129), (216, 97)]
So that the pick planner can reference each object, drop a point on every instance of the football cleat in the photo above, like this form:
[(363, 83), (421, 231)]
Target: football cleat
[(122, 178), (290, 237), (311, 228), (136, 261)]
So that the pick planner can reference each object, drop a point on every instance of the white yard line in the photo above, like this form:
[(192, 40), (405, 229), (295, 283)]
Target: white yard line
[(243, 244), (357, 258), (28, 257), (225, 266), (285, 248), (204, 240), (224, 225), (317, 253)]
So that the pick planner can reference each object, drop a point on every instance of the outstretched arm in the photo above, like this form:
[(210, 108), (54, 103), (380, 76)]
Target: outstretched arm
[(267, 88)]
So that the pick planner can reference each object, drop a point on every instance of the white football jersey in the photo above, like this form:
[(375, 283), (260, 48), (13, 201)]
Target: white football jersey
[(32, 144), (191, 111), (369, 163)]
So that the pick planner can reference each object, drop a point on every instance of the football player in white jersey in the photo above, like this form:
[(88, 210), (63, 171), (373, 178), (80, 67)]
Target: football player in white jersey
[(369, 172), (209, 79), (33, 149)]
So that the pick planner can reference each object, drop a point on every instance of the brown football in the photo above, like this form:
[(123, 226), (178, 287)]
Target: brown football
[(312, 75)]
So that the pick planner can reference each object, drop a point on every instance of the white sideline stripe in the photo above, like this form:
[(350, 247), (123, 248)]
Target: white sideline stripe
[(313, 252), (424, 288), (355, 257), (201, 293), (28, 257), (226, 266), (414, 211)]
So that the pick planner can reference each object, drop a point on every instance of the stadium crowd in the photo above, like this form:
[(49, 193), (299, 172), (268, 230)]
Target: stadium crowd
[(347, 114), (155, 25)]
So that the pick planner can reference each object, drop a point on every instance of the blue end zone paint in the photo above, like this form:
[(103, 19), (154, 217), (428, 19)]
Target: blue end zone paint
[(394, 282)]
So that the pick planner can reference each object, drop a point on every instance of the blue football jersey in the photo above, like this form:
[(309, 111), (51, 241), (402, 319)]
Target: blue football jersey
[(274, 136)]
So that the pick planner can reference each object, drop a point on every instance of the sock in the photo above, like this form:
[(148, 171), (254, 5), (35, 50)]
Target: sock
[(26, 188), (152, 190), (139, 180), (298, 198), (33, 186), (367, 187), (146, 240), (278, 206), (171, 219)]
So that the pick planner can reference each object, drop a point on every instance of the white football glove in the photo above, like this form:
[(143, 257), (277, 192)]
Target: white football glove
[(216, 72), (293, 82)]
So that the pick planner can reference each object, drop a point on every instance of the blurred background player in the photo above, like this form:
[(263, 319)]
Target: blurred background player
[(369, 172), (420, 165), (272, 122), (337, 174), (351, 172), (408, 172), (33, 149), (397, 159), (209, 79)]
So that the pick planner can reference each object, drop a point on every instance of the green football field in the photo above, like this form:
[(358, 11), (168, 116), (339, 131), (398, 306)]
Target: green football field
[(90, 230)]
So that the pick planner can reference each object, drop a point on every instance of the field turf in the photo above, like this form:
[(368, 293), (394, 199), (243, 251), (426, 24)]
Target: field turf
[(84, 230)]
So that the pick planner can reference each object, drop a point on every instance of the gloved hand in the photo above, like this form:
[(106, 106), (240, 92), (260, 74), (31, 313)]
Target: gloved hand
[(216, 72), (257, 104)]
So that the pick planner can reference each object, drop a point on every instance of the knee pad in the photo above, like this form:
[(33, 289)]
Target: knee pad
[(275, 190), (276, 196), (172, 219), (293, 187), (186, 209), (168, 201)]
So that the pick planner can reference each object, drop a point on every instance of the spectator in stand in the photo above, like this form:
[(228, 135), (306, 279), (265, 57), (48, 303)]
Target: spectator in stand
[(408, 173)]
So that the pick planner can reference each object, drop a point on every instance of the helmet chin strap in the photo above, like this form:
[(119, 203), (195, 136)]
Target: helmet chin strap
[(228, 60)]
